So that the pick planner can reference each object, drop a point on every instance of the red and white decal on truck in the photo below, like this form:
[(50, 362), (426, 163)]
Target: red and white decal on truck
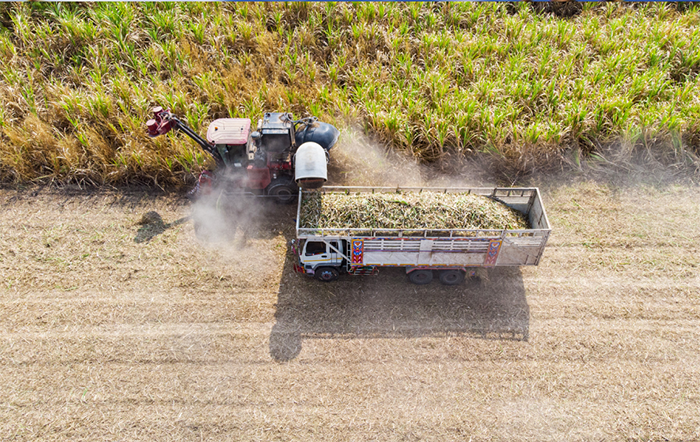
[(492, 254), (357, 251)]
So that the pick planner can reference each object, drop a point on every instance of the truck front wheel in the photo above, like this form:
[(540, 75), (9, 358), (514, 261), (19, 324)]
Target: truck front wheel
[(326, 274), (451, 277), (421, 276)]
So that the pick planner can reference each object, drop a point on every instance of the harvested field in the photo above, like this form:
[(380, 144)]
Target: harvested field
[(407, 210), (116, 327)]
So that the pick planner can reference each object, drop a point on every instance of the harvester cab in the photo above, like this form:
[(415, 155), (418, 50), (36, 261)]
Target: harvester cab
[(231, 138), (281, 155)]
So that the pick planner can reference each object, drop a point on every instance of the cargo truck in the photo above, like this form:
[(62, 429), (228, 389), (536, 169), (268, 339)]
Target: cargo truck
[(448, 254)]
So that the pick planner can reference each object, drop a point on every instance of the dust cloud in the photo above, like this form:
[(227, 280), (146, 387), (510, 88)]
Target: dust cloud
[(621, 163), (359, 161), (224, 215)]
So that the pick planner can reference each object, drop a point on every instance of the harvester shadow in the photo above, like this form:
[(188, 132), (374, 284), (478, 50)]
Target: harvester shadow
[(389, 306), (153, 225)]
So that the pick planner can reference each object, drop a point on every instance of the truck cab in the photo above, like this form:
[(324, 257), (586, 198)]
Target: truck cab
[(316, 255)]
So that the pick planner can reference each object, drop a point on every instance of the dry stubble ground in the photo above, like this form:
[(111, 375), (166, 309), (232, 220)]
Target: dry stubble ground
[(114, 331)]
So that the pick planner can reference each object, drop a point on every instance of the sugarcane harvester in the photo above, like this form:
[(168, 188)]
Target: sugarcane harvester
[(279, 157)]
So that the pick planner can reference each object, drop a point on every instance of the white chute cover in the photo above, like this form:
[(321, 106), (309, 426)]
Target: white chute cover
[(310, 166)]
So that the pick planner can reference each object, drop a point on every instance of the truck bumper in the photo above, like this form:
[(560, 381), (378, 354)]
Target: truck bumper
[(304, 271)]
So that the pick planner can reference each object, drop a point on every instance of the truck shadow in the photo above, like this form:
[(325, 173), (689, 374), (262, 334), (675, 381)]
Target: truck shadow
[(389, 306), (386, 305)]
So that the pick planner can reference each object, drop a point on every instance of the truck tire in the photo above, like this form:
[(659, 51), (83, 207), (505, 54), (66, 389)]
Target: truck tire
[(283, 191), (451, 277), (421, 277), (326, 274)]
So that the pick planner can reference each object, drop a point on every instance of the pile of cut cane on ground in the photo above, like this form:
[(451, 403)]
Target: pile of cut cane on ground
[(407, 211)]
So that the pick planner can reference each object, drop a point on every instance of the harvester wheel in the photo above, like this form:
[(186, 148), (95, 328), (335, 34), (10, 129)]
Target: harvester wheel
[(326, 274), (421, 277), (451, 277), (284, 192)]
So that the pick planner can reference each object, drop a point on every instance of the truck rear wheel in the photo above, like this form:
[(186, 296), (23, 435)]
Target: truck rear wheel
[(326, 274), (451, 277), (421, 276)]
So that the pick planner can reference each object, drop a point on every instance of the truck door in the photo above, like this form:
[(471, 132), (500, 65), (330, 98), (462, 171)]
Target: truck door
[(315, 252), (334, 257)]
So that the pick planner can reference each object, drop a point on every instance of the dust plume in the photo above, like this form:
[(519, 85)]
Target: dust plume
[(624, 163), (224, 214), (359, 161)]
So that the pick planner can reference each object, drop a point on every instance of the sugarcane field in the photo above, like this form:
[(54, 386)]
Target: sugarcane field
[(383, 221)]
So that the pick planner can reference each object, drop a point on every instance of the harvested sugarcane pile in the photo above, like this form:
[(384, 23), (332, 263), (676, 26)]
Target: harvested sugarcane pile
[(410, 210)]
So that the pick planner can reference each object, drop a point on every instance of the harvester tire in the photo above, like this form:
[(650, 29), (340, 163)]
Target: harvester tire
[(451, 277), (326, 274), (284, 192), (421, 277)]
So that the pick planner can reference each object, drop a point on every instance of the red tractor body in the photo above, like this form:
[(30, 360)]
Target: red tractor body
[(263, 162)]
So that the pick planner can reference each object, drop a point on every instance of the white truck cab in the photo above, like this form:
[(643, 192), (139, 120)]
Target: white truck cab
[(318, 253), (322, 258)]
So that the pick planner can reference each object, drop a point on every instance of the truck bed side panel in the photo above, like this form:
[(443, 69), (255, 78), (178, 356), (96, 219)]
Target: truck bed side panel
[(403, 259), (524, 249), (517, 254)]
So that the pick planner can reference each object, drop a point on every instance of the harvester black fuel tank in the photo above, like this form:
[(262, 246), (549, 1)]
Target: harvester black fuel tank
[(323, 134)]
